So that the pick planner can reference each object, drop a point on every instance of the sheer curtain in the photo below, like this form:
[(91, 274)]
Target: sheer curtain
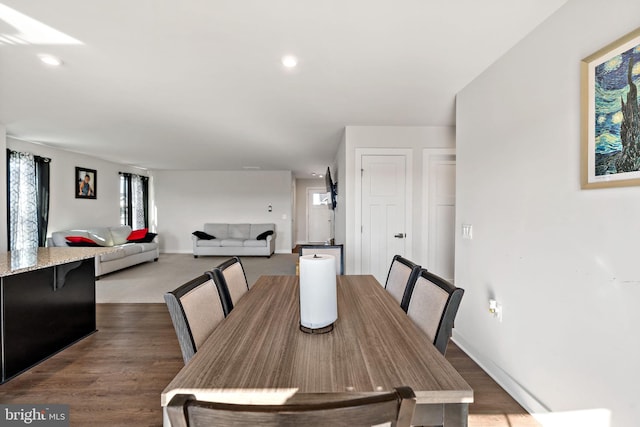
[(138, 203), (28, 200)]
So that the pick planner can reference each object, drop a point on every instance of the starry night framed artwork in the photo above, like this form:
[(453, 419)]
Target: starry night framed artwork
[(610, 118)]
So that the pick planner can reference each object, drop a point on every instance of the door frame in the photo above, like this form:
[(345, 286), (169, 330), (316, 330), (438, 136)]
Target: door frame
[(408, 211), (428, 154), (315, 190)]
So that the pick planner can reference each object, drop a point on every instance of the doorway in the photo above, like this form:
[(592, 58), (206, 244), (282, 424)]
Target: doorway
[(318, 215), (439, 184)]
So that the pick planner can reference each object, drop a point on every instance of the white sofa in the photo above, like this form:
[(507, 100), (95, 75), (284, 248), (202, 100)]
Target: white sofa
[(236, 240), (126, 253)]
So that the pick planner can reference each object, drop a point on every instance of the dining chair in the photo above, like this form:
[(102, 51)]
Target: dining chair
[(315, 409), (402, 275), (196, 308), (336, 250), (231, 278), (433, 305)]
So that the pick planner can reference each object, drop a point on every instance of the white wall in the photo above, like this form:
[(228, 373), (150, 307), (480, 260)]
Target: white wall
[(187, 199), (65, 211), (301, 206), (562, 261), (416, 138)]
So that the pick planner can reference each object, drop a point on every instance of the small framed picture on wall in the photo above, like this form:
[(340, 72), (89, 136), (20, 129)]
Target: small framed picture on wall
[(86, 183)]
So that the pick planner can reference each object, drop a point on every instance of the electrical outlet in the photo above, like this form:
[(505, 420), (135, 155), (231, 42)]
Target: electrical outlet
[(467, 231), (495, 308)]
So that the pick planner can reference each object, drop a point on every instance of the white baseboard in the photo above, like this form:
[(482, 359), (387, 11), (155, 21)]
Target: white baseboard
[(520, 394), (278, 251), (175, 251)]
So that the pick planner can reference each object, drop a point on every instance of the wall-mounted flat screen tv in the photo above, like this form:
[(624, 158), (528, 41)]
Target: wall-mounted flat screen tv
[(331, 189)]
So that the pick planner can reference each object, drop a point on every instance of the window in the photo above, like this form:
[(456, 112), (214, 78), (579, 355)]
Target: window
[(134, 200), (27, 200), (320, 199)]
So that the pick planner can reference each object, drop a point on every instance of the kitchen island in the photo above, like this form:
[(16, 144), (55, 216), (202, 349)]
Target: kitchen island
[(47, 302)]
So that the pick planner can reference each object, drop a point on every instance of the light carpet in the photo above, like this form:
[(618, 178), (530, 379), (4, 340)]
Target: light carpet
[(147, 283)]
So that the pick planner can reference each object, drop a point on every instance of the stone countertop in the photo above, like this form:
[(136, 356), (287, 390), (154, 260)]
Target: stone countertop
[(27, 260)]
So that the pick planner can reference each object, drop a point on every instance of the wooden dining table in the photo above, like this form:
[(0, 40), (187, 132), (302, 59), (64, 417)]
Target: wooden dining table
[(258, 354)]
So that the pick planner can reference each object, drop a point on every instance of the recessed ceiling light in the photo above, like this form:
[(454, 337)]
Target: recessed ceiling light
[(50, 60), (251, 167), (289, 61)]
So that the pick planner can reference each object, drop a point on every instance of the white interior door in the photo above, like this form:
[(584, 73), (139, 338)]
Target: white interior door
[(384, 220), (318, 215), (441, 211)]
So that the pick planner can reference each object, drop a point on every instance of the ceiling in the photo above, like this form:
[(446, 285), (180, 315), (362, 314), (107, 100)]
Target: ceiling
[(199, 84)]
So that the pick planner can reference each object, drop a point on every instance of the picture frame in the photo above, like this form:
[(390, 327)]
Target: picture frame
[(86, 183), (610, 128)]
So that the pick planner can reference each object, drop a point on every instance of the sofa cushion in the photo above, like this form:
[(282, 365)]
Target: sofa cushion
[(232, 242), (221, 231), (100, 235), (131, 248), (239, 231), (263, 236), (147, 246), (257, 229), (202, 235), (255, 243), (120, 234), (209, 243), (110, 256), (121, 252), (59, 238), (80, 241), (91, 244), (148, 238), (137, 234)]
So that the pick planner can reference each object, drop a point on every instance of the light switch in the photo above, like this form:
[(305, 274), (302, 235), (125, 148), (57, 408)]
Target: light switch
[(467, 231), (284, 216)]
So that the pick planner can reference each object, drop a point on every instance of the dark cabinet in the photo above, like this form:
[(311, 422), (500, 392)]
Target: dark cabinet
[(44, 311)]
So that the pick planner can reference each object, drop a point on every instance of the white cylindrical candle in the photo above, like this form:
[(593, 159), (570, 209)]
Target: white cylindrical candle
[(318, 293)]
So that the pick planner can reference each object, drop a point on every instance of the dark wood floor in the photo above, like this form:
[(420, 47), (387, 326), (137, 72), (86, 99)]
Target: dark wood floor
[(492, 406), (115, 376)]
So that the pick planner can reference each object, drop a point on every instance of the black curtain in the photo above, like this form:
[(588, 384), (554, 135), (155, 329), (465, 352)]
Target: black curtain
[(42, 198), (145, 199), (8, 201), (127, 198)]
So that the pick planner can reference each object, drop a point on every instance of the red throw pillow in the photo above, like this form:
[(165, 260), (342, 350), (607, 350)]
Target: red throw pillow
[(146, 239), (79, 239), (138, 234)]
